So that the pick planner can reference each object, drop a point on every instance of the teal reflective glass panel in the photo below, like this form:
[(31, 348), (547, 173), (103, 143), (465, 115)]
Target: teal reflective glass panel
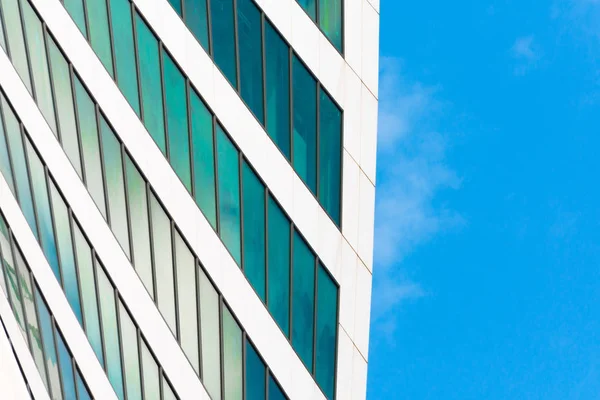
[(251, 59), (254, 230), (15, 38), (232, 357), (176, 5), (66, 368), (330, 156), (82, 390), (327, 298), (196, 18), (275, 392), (39, 64), (5, 166), (305, 124), (90, 145), (279, 266), (150, 77), (76, 10), (223, 38), (277, 56), (310, 7), (88, 292), (122, 26), (229, 193), (65, 250), (42, 205), (330, 21), (151, 377), (61, 78), (17, 155), (140, 227), (210, 336), (130, 355), (99, 32), (203, 158), (255, 375), (303, 301), (177, 121), (112, 347), (115, 185), (49, 349)]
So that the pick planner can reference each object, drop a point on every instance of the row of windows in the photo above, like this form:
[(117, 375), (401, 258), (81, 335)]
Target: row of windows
[(327, 14), (12, 348), (300, 117), (52, 357), (278, 263), (110, 329)]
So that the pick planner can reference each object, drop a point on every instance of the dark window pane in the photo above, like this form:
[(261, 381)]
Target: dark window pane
[(304, 300), (152, 96), (177, 6), (229, 193), (66, 368), (223, 38), (279, 266), (278, 89), (310, 7), (254, 230), (75, 8), (327, 294), (204, 158), (255, 375), (177, 122), (330, 20), (250, 50), (99, 33), (330, 156), (82, 390), (275, 392), (122, 25), (196, 19), (305, 124), (50, 350)]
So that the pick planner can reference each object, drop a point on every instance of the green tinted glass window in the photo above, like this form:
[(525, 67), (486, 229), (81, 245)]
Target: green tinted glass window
[(99, 32), (330, 156), (151, 376), (327, 294), (15, 39), (66, 368), (76, 9), (131, 360), (255, 375), (279, 266), (303, 301), (2, 38), (5, 166), (223, 38), (82, 390), (310, 7), (196, 19), (49, 349), (254, 230), (330, 21), (210, 335), (275, 392), (177, 6), (232, 357)]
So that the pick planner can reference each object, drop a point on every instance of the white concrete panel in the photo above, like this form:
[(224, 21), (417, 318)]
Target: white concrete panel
[(345, 366), (368, 138), (12, 382), (348, 290), (366, 216), (353, 34), (332, 68), (375, 4), (359, 376), (352, 114), (351, 201), (370, 48), (111, 255), (363, 309), (305, 40)]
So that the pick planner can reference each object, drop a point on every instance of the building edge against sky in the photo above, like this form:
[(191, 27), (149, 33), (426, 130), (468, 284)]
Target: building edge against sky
[(189, 187)]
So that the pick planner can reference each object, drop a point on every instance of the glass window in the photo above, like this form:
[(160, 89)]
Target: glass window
[(251, 60), (88, 128), (330, 156), (99, 33), (16, 43), (168, 393), (140, 231), (186, 292), (152, 96), (88, 292), (163, 263), (48, 343), (303, 302), (66, 368), (176, 5), (278, 89), (5, 166), (65, 251), (204, 158), (275, 392), (151, 378), (327, 294), (131, 359), (232, 356), (122, 26), (254, 230), (196, 19), (115, 185), (330, 21), (2, 39), (305, 124), (112, 347), (177, 122), (223, 38), (279, 266), (17, 155), (14, 293), (39, 64), (229, 193), (64, 104), (310, 7), (2, 239), (82, 390), (76, 9), (255, 374), (42, 205), (211, 338)]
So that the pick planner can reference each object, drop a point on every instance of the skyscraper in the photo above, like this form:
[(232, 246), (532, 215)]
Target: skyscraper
[(187, 198)]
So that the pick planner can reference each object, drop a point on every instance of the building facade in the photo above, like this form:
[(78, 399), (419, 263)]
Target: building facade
[(187, 198)]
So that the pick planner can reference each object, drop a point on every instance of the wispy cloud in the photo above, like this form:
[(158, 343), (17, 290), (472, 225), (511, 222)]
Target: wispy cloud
[(526, 53), (412, 171)]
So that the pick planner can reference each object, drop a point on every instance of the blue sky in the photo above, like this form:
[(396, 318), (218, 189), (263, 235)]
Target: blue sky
[(487, 264)]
